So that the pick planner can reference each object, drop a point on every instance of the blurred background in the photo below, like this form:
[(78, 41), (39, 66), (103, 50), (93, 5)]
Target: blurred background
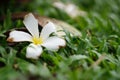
[(66, 9)]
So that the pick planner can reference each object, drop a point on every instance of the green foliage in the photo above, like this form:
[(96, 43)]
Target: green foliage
[(94, 56)]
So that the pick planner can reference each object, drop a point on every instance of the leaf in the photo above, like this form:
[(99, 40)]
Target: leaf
[(77, 57)]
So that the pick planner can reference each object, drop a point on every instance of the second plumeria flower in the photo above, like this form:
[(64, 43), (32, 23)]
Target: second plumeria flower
[(37, 39)]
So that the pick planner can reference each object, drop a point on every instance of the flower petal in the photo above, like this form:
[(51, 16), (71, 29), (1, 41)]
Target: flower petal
[(54, 43), (47, 30), (31, 24), (33, 51), (18, 36)]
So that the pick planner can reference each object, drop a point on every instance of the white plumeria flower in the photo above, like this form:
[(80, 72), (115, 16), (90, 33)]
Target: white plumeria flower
[(37, 39)]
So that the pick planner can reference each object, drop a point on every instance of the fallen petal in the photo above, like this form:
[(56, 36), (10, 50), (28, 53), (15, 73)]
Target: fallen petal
[(47, 30), (31, 23), (33, 51), (19, 36), (54, 43)]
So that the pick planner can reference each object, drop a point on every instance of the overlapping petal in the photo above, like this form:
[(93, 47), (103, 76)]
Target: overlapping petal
[(31, 24), (18, 36), (47, 30), (33, 51), (54, 43)]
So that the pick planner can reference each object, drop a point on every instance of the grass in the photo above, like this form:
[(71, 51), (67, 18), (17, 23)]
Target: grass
[(94, 56)]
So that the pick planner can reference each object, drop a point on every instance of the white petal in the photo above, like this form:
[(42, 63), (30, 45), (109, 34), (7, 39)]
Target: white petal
[(33, 51), (31, 24), (18, 36), (54, 43), (47, 30)]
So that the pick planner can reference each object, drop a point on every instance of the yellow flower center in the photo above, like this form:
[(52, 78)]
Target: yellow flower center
[(37, 41)]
